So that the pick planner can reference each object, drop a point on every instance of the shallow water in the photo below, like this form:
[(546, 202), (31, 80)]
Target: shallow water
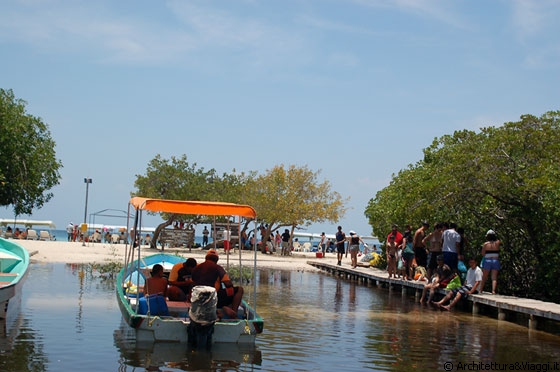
[(70, 320)]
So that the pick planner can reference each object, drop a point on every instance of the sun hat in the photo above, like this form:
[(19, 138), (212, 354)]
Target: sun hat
[(352, 232), (491, 232)]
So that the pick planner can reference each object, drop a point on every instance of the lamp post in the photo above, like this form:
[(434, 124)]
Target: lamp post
[(87, 181)]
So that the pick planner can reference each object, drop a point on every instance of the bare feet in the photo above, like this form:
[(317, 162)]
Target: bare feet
[(445, 307)]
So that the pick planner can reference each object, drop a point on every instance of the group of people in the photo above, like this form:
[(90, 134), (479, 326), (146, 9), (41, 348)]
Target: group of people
[(188, 274), (440, 252)]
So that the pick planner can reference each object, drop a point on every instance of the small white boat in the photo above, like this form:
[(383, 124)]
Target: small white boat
[(14, 265), (158, 319)]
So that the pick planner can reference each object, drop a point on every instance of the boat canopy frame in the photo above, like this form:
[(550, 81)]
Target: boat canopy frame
[(192, 207)]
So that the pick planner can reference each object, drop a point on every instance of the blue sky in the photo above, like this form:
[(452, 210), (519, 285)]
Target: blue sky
[(354, 89)]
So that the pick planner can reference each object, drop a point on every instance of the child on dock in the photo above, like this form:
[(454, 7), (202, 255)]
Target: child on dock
[(391, 251)]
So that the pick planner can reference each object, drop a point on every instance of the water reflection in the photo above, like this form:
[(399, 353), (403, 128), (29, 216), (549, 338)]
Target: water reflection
[(155, 356), (70, 319)]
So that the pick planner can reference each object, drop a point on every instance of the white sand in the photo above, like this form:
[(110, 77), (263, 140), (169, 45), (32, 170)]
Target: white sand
[(68, 252)]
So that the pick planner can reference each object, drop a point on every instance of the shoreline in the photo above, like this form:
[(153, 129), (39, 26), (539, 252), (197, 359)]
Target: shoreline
[(75, 253)]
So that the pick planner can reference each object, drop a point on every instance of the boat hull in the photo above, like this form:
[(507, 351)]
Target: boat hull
[(14, 266), (174, 328)]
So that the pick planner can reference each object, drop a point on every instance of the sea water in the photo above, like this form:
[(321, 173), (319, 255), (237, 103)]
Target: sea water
[(70, 320)]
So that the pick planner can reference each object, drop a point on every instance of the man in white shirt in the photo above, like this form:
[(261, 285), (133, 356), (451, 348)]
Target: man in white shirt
[(451, 248), (472, 284)]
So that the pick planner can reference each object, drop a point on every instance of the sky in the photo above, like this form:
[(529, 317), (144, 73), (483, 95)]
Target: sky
[(352, 89)]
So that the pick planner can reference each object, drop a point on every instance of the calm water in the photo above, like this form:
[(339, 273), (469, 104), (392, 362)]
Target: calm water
[(70, 321)]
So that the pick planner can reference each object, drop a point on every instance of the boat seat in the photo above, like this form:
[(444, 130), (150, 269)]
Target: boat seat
[(178, 308)]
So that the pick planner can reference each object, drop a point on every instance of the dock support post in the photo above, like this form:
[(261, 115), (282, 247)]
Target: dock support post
[(475, 308), (403, 290), (417, 294), (501, 314), (532, 322)]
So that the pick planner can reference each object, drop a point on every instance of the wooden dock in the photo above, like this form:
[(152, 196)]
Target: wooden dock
[(511, 308)]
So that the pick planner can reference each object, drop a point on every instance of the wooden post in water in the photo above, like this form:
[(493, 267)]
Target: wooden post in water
[(501, 314), (532, 321), (475, 308)]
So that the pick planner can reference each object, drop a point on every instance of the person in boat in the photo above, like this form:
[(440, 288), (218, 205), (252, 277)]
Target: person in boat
[(184, 282), (209, 273), (157, 284)]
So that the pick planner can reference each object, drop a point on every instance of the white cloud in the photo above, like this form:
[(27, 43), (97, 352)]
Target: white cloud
[(439, 10)]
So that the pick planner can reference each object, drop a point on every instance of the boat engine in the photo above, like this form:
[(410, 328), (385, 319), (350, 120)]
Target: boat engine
[(202, 316)]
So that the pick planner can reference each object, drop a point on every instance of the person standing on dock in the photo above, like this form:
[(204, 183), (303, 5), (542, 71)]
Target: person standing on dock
[(398, 236), (451, 246), (419, 247), (391, 251), (434, 241), (491, 265), (354, 247), (340, 249)]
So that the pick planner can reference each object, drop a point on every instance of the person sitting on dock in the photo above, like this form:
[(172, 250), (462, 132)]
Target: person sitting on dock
[(209, 273), (157, 284), (442, 276), (472, 284)]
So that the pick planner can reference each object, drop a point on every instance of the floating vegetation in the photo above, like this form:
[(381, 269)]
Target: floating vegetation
[(245, 275)]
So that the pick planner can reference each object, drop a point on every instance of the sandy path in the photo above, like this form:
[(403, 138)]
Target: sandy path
[(68, 252)]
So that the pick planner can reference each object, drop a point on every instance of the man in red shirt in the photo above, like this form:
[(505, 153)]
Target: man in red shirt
[(397, 234), (211, 274)]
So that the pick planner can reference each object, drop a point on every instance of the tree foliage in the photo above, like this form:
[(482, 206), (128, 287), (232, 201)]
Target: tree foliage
[(503, 178), (28, 164), (178, 179), (292, 197)]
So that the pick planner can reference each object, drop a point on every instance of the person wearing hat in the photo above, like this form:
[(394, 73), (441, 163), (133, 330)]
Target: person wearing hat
[(442, 276), (209, 273), (70, 230), (491, 265), (354, 247)]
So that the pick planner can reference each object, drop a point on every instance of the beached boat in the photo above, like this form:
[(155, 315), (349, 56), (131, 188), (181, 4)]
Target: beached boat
[(14, 265), (157, 319)]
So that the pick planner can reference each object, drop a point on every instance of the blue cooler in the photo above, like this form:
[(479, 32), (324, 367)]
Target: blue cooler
[(158, 306)]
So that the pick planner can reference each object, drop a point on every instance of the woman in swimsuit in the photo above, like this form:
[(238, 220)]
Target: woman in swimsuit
[(491, 254)]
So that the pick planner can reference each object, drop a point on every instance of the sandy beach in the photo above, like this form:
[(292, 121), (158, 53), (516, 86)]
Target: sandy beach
[(75, 252)]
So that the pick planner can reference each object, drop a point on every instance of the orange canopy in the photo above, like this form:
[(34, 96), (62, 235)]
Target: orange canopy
[(193, 207)]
